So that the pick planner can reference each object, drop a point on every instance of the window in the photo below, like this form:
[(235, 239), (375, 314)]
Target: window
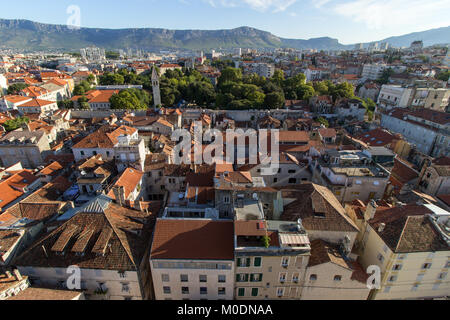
[(244, 263), (275, 180), (226, 200), (380, 257), (280, 292), (313, 277), (222, 278), (295, 277), (241, 292), (166, 290), (419, 278), (292, 181), (203, 278), (184, 278), (283, 277), (397, 267), (442, 275), (426, 266), (337, 278), (255, 292), (203, 290), (165, 278), (242, 277), (222, 291), (387, 289), (257, 277), (257, 262), (285, 262), (292, 171), (415, 287), (125, 287), (392, 278), (82, 153), (122, 274), (184, 290)]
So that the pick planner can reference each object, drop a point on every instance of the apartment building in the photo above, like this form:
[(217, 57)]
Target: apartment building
[(321, 214), (110, 245), (435, 177), (330, 275), (12, 102), (394, 96), (105, 141), (351, 175), (193, 259), (431, 98), (271, 259), (425, 129), (38, 106), (29, 148), (373, 71), (410, 244)]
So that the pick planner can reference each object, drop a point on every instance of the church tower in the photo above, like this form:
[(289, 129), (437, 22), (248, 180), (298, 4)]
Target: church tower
[(155, 86)]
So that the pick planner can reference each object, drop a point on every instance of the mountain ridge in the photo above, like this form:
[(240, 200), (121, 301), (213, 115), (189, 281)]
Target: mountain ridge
[(29, 35)]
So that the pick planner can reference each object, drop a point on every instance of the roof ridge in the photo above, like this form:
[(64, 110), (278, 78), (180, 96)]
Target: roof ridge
[(403, 232), (114, 228)]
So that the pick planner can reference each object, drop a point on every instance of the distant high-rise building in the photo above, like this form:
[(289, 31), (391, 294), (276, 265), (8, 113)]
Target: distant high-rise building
[(384, 46), (359, 46), (93, 54)]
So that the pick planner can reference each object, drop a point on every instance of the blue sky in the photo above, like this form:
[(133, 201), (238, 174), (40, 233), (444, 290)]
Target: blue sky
[(350, 21)]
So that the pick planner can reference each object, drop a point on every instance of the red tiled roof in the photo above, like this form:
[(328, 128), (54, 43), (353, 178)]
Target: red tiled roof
[(193, 239)]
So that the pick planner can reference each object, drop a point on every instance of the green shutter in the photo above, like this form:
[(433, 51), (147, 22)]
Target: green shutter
[(246, 277), (249, 262), (254, 292), (241, 292), (258, 262), (239, 262), (238, 278), (252, 278)]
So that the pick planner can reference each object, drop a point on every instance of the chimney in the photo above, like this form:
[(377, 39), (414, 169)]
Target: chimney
[(17, 275), (119, 194), (139, 205), (370, 210), (381, 227)]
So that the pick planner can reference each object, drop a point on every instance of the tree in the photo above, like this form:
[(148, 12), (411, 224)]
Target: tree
[(13, 124), (305, 92), (65, 104), (323, 121), (230, 75), (387, 73), (274, 100), (81, 88), (444, 76), (129, 99), (83, 103), (278, 77), (112, 79), (342, 90), (16, 88)]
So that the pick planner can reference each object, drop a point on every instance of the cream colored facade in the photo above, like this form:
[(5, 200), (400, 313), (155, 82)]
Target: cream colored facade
[(403, 276), (278, 277), (193, 279), (113, 284), (329, 281)]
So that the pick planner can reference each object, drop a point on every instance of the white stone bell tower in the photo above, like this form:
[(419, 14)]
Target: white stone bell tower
[(156, 90)]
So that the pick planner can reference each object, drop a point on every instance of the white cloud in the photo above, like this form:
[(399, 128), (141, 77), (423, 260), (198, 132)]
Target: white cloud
[(259, 5), (379, 14)]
